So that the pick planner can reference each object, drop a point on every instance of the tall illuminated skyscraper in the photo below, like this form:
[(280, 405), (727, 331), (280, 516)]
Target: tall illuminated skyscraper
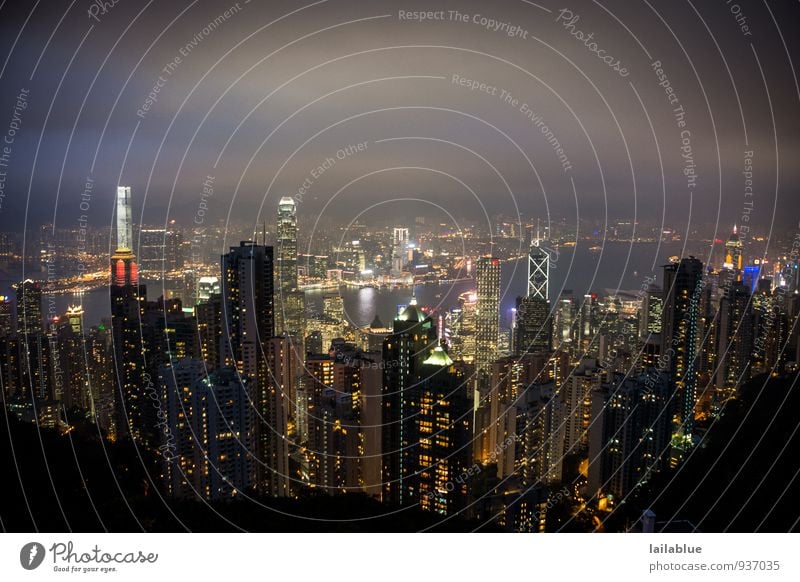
[(404, 350), (399, 247), (487, 314), (247, 326), (134, 414), (733, 256), (683, 290), (538, 270), (290, 303)]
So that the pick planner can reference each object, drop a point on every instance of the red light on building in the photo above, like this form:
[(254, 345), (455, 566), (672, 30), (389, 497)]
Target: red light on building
[(120, 276), (134, 273)]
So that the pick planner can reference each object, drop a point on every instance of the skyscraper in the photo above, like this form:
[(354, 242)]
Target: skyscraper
[(734, 341), (399, 246), (629, 434), (207, 431), (538, 270), (441, 424), (534, 326), (683, 290), (29, 307), (247, 326), (134, 409), (733, 257), (487, 314), (411, 341), (290, 301)]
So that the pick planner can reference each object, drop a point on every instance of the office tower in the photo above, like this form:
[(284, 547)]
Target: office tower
[(6, 316), (411, 341), (538, 270), (333, 307), (286, 259), (586, 328), (534, 326), (629, 436), (247, 326), (134, 410), (208, 287), (650, 313), (459, 332), (440, 430), (399, 250), (151, 251), (680, 325), (29, 308), (733, 258), (751, 276), (208, 314), (207, 430), (487, 313), (564, 320), (75, 318), (290, 305), (734, 339)]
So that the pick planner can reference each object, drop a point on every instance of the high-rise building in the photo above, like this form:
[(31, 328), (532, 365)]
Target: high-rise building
[(247, 326), (733, 257), (734, 341), (683, 295), (412, 339), (284, 366), (6, 316), (208, 436), (399, 250), (290, 302), (564, 320), (75, 318), (533, 326), (29, 307), (650, 314), (134, 410), (487, 313), (538, 270), (629, 436), (440, 427)]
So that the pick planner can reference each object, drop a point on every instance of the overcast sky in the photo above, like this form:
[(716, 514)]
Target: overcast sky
[(259, 97)]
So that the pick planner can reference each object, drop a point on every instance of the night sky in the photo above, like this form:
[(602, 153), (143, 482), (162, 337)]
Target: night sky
[(258, 95)]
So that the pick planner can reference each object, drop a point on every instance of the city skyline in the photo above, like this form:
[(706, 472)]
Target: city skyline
[(523, 268)]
